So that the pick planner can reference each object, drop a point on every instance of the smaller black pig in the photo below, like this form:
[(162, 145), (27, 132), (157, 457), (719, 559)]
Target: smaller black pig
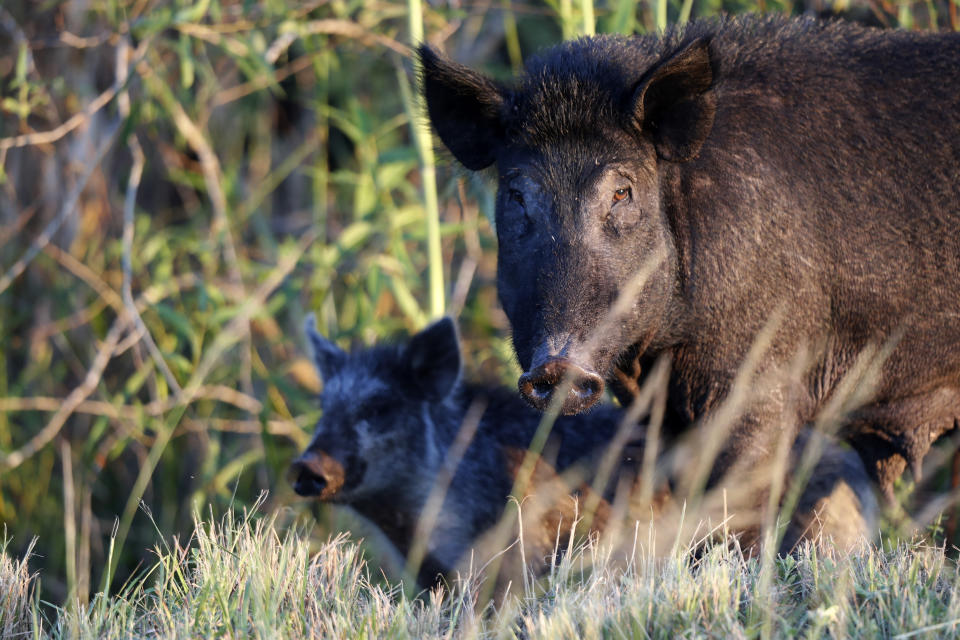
[(392, 412)]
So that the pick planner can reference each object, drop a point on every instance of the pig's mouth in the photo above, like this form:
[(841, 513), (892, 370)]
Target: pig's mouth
[(579, 387), (317, 475)]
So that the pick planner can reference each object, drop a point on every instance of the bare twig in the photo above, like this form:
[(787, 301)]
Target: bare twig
[(218, 393), (69, 520), (85, 273), (85, 42), (262, 81), (77, 119), (129, 203), (68, 206), (216, 37), (240, 323), (18, 224), (212, 176), (71, 402), (468, 267), (352, 30), (150, 296)]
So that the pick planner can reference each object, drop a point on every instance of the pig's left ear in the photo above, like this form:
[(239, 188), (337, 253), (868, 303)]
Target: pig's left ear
[(433, 358), (673, 104), (327, 356)]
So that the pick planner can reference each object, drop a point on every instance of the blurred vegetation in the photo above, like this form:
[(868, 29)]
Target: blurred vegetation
[(180, 182)]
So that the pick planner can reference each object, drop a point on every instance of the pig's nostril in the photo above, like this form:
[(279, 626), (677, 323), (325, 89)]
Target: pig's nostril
[(538, 385), (588, 387), (542, 388), (309, 484)]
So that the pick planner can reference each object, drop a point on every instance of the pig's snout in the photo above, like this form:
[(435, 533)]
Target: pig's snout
[(316, 475), (584, 388)]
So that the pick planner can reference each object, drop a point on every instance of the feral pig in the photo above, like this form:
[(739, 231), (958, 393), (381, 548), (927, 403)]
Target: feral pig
[(673, 195), (392, 414)]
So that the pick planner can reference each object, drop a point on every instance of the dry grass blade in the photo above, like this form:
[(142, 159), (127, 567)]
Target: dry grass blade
[(245, 576), (17, 594), (431, 510)]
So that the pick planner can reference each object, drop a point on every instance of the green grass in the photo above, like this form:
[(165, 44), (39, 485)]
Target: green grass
[(166, 223), (246, 576)]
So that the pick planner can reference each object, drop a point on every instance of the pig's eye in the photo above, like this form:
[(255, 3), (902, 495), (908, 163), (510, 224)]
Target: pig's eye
[(621, 194), (376, 409), (516, 196)]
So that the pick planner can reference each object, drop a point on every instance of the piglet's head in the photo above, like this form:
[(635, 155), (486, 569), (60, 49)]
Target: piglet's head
[(376, 402)]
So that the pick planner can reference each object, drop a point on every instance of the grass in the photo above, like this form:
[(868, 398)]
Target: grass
[(180, 182), (247, 576)]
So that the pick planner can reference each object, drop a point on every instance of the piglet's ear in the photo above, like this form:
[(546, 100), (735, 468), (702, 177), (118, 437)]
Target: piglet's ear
[(673, 104), (433, 358), (464, 107), (327, 356)]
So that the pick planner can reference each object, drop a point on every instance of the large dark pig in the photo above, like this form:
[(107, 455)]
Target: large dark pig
[(675, 194)]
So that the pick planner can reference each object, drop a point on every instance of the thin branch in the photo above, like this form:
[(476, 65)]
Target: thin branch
[(65, 211), (212, 176), (234, 330), (353, 30), (77, 119), (217, 393), (150, 296), (129, 202), (18, 224), (71, 402), (85, 273), (262, 81)]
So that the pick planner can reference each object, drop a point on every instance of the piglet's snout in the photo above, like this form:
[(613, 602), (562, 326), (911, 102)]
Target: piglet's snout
[(315, 474)]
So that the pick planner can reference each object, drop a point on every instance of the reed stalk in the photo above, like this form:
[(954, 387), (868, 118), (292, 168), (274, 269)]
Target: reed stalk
[(428, 176)]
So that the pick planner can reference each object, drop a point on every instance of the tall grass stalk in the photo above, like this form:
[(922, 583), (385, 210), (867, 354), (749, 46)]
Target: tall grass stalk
[(589, 22), (624, 17), (566, 19), (661, 15), (428, 175), (511, 36)]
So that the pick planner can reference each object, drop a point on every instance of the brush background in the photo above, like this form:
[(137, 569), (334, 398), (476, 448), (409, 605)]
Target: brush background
[(286, 170)]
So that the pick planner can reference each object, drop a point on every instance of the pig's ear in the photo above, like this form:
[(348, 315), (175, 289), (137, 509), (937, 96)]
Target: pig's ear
[(327, 356), (674, 106), (433, 358), (464, 108)]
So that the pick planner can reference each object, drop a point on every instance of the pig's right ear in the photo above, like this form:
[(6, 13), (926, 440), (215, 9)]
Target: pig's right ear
[(433, 358), (464, 107), (328, 357)]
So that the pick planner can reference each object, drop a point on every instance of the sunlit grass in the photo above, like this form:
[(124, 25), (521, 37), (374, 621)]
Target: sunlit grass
[(245, 576)]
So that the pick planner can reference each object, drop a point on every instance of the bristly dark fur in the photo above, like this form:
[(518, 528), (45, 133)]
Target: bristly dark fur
[(777, 167)]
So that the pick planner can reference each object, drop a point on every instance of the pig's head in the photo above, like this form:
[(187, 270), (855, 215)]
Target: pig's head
[(583, 143), (374, 439)]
